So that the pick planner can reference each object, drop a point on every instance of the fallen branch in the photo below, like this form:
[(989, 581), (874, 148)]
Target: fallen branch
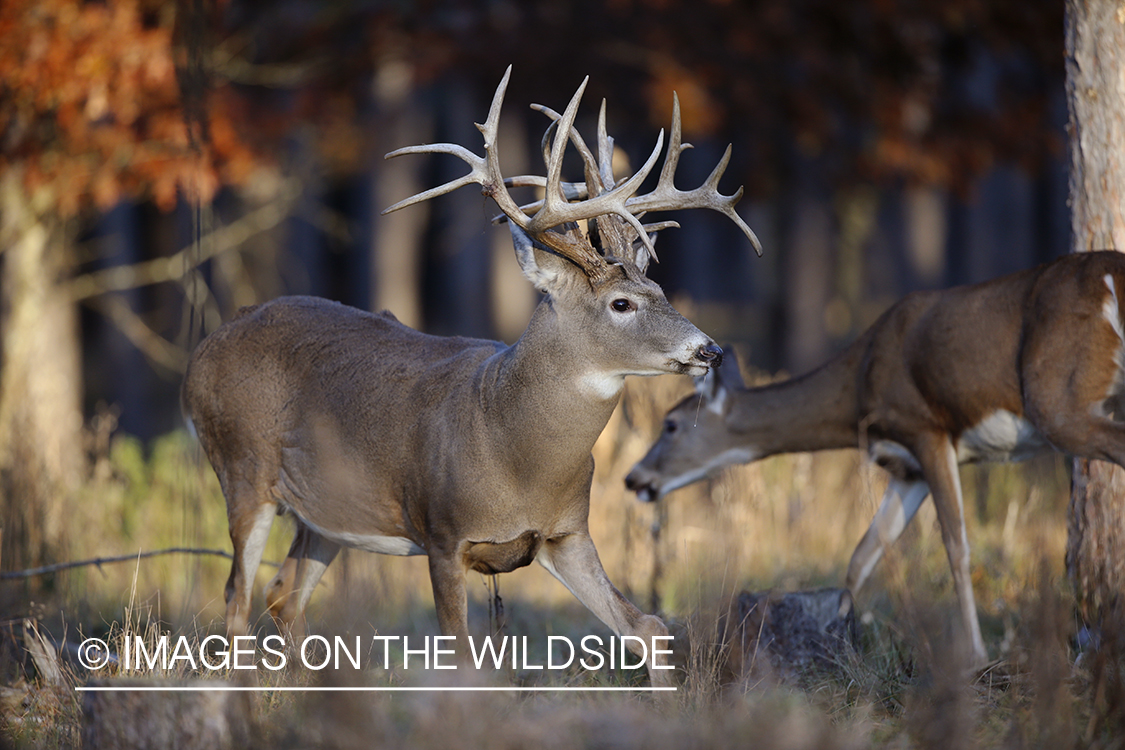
[(99, 561), (151, 344), (176, 266)]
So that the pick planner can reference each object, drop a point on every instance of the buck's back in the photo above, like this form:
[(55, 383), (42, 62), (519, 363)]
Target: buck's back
[(303, 391)]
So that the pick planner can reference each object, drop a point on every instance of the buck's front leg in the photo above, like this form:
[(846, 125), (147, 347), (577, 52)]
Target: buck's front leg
[(574, 561), (447, 577)]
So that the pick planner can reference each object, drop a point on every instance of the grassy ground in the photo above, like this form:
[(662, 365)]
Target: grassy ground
[(787, 523)]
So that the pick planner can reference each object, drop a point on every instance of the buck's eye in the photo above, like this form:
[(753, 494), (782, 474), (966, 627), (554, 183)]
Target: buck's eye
[(622, 305), (669, 426)]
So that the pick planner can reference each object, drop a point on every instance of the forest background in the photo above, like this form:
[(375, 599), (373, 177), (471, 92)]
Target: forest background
[(164, 163)]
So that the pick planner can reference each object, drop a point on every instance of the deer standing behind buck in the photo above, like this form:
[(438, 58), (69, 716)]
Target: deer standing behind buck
[(998, 371), (477, 454)]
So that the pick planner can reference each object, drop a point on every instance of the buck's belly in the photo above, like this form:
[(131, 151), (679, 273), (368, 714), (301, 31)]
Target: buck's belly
[(383, 545)]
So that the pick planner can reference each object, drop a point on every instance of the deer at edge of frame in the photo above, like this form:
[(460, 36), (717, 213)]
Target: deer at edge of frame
[(998, 371), (476, 454)]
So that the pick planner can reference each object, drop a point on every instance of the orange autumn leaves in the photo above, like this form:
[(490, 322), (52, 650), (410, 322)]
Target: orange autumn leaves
[(90, 106)]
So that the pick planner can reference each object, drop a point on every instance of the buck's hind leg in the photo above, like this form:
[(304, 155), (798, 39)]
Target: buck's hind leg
[(288, 592), (574, 561), (249, 530)]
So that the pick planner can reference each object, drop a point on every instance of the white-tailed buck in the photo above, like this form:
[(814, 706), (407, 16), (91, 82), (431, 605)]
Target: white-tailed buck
[(476, 454), (998, 371)]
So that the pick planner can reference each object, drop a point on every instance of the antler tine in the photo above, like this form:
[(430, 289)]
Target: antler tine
[(724, 204), (556, 210), (660, 226), (666, 197), (676, 146), (591, 164), (478, 174), (554, 199), (605, 160), (605, 150), (571, 190), (483, 170)]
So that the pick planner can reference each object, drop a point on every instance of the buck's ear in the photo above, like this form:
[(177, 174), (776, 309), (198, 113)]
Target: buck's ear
[(540, 267), (641, 255)]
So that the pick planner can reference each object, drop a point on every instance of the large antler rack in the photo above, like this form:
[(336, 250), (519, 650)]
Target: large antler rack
[(565, 202)]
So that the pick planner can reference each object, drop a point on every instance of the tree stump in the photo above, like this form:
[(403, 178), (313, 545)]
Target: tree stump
[(787, 633)]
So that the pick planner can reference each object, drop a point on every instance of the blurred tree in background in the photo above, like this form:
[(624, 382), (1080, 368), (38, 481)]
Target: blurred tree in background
[(861, 130), (91, 110), (1095, 55)]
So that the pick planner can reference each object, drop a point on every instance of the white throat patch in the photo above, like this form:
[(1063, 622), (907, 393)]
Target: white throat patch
[(601, 385)]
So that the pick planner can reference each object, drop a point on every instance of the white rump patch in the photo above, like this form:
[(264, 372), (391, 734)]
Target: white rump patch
[(1001, 436), (1114, 404), (1111, 309)]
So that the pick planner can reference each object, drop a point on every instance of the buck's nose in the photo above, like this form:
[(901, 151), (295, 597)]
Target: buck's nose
[(711, 354)]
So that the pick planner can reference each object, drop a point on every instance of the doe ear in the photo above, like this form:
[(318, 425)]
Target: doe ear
[(731, 374), (714, 386), (709, 386)]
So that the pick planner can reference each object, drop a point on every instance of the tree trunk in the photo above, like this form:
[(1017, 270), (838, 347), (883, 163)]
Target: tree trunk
[(41, 456), (1095, 84)]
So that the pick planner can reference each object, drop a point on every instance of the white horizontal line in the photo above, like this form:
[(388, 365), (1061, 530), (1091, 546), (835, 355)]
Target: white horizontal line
[(292, 689)]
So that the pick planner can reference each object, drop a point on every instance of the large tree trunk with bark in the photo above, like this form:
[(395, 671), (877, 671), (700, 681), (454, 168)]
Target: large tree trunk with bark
[(41, 452), (1095, 83)]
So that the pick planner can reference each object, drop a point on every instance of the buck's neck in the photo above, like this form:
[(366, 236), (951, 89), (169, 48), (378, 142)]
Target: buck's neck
[(538, 389), (816, 411)]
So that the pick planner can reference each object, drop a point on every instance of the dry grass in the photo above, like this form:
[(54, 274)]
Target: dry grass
[(786, 523)]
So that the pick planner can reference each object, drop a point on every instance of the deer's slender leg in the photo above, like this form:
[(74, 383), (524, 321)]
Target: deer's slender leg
[(939, 464), (447, 577), (249, 530), (575, 562), (288, 593), (900, 502)]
